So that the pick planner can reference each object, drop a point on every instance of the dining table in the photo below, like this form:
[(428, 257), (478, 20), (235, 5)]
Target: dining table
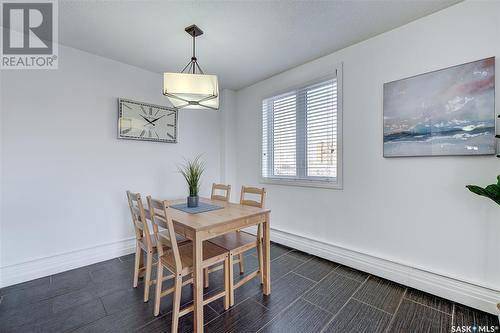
[(203, 226)]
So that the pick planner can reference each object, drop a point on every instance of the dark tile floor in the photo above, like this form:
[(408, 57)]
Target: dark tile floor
[(309, 294)]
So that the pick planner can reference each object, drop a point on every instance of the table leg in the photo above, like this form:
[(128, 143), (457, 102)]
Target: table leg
[(267, 254), (198, 284)]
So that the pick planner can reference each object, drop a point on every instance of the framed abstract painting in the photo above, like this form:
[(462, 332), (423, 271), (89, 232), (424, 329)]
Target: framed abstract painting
[(446, 112)]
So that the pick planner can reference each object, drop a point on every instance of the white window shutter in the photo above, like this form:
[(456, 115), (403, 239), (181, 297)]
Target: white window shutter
[(299, 134)]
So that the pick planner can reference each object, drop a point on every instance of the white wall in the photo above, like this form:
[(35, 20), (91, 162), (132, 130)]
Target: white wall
[(64, 171), (411, 211), (227, 113)]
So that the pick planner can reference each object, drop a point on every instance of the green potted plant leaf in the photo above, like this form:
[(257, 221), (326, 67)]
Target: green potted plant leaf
[(192, 171), (491, 191)]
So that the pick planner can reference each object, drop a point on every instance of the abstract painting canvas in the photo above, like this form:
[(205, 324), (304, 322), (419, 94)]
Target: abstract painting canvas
[(447, 112)]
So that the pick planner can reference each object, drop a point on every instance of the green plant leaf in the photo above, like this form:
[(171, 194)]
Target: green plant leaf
[(477, 190), (491, 191), (192, 171)]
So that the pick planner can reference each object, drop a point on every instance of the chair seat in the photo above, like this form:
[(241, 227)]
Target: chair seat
[(236, 242), (212, 254)]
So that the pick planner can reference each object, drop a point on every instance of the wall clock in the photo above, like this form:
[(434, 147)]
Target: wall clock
[(143, 121)]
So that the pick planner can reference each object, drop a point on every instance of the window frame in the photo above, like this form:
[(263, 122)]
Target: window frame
[(292, 180)]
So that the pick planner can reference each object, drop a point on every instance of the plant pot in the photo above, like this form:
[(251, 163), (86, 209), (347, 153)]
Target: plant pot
[(193, 201)]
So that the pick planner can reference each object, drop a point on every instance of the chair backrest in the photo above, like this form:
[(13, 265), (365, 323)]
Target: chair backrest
[(166, 238), (139, 218), (260, 192), (226, 189)]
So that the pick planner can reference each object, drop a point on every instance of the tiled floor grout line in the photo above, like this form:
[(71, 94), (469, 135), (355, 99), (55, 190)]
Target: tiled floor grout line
[(154, 319), (316, 305), (452, 313), (289, 305), (305, 277), (395, 312), (350, 278), (231, 308), (105, 311), (90, 323), (281, 255), (104, 307), (430, 307), (208, 304), (169, 312), (343, 306), (279, 278), (370, 305), (300, 296), (303, 260), (300, 265)]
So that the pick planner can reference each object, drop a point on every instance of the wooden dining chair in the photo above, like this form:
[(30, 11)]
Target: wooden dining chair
[(144, 243), (238, 242), (220, 192), (178, 259), (218, 188)]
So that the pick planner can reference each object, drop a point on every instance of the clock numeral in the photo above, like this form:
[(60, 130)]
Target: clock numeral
[(157, 110), (142, 133), (150, 111), (127, 106), (142, 108), (171, 113), (170, 125), (125, 131), (170, 136)]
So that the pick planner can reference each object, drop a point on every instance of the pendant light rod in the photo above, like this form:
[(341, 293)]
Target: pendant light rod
[(193, 58), (191, 67)]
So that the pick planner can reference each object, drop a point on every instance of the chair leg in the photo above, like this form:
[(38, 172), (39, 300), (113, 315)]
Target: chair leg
[(227, 287), (176, 306), (159, 278), (137, 264), (205, 277), (147, 278), (242, 263), (259, 253), (230, 279)]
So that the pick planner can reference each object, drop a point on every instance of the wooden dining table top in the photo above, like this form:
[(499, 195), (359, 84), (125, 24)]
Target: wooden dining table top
[(214, 218)]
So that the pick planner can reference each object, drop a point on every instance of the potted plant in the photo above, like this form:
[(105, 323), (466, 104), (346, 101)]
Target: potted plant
[(491, 191), (192, 171)]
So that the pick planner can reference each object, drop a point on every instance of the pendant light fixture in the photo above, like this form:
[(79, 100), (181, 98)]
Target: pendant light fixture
[(191, 88)]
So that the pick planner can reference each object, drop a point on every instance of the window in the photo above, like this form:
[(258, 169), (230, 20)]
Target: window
[(301, 132)]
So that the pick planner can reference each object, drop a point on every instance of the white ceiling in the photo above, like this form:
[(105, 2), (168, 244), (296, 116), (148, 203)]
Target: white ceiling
[(244, 41)]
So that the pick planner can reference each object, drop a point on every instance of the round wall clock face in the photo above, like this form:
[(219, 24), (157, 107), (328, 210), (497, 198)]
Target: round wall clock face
[(143, 121)]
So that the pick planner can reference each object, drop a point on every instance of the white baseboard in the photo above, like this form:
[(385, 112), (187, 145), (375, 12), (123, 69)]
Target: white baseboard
[(472, 295), (477, 297), (41, 267)]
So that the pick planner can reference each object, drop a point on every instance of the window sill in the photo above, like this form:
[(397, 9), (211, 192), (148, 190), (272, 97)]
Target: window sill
[(302, 183)]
